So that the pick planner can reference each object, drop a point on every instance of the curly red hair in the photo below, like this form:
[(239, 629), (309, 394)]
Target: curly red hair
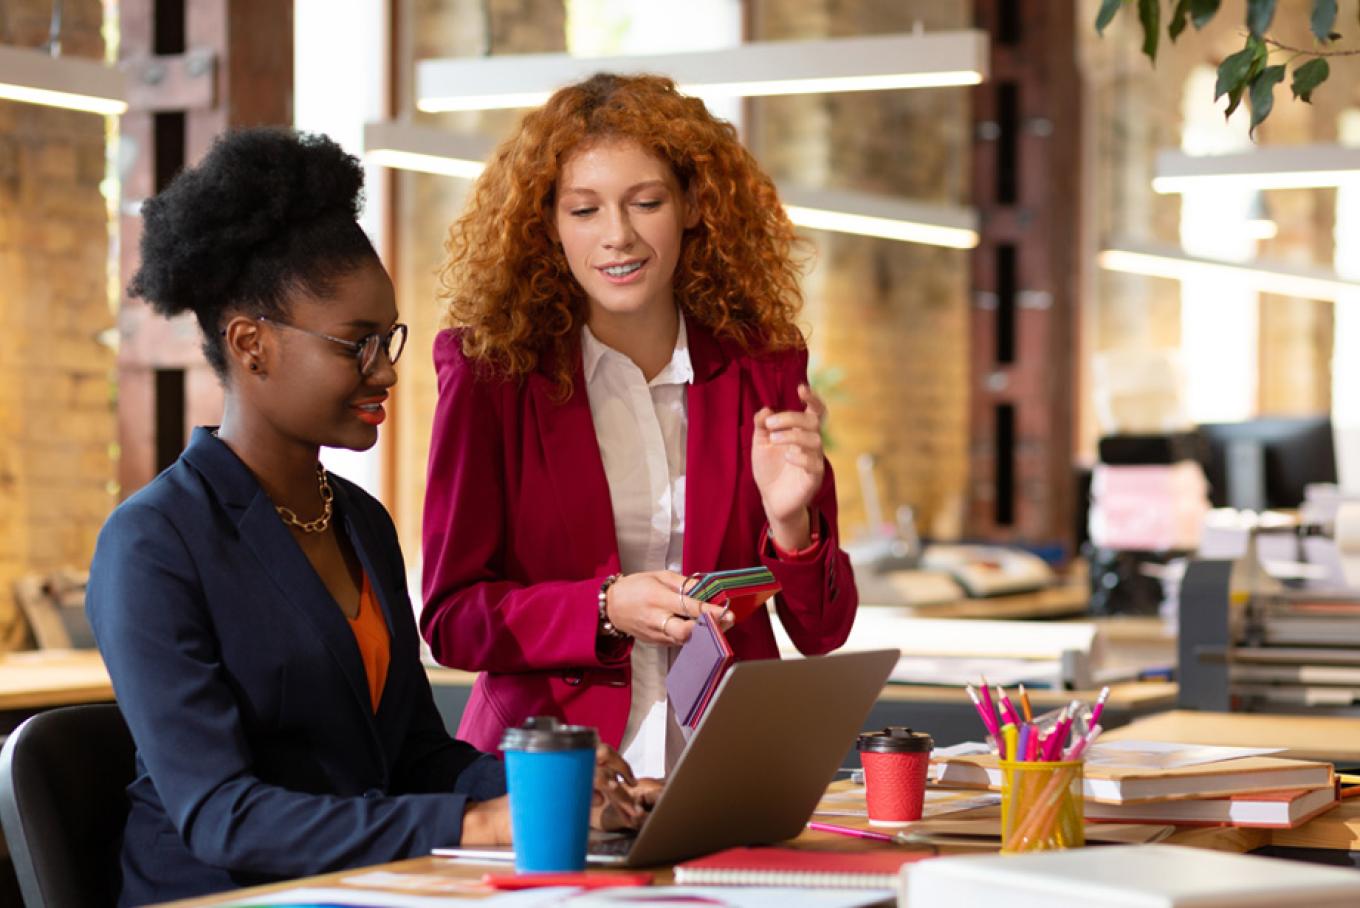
[(507, 284)]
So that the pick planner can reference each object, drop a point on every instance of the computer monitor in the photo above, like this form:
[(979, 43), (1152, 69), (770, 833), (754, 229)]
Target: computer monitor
[(1265, 463)]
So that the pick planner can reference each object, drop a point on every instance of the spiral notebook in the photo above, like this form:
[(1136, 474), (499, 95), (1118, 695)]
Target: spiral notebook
[(796, 867)]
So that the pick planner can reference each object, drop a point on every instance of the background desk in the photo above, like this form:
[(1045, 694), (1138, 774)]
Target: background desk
[(945, 712), (1332, 738), (42, 679)]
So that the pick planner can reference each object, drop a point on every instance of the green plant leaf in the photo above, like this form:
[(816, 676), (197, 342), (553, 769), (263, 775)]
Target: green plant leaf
[(1201, 11), (1236, 68), (1322, 20), (1259, 15), (1107, 10), (1262, 94), (1308, 77), (1150, 14), (1179, 14)]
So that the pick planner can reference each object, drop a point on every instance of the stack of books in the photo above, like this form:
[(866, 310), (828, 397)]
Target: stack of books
[(1258, 791)]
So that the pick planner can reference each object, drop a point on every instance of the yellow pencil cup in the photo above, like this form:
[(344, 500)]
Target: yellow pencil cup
[(1041, 806)]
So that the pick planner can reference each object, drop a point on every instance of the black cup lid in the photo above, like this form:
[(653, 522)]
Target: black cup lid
[(895, 739), (542, 733)]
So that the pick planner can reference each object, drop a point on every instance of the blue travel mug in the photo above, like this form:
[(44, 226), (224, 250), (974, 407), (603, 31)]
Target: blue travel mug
[(550, 771)]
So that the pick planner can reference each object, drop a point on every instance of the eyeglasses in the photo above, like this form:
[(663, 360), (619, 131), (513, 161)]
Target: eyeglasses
[(365, 348)]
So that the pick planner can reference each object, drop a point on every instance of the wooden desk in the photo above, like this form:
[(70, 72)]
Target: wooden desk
[(1332, 738), (1055, 602), (42, 679), (1339, 829), (1062, 601)]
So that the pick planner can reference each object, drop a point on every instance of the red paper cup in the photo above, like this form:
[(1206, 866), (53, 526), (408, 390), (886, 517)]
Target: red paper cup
[(895, 762)]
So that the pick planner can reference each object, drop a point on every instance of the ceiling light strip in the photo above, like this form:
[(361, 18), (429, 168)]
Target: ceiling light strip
[(1266, 277), (1268, 167), (33, 76), (873, 63)]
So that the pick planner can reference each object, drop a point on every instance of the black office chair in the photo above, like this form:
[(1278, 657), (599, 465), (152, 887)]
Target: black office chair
[(63, 804)]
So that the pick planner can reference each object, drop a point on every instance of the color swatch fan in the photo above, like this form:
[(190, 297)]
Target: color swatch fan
[(697, 671), (741, 591)]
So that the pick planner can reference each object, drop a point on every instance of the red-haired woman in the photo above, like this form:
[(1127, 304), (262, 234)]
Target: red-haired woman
[(623, 401)]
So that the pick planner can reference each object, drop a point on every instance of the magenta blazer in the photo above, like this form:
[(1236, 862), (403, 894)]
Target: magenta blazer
[(519, 534)]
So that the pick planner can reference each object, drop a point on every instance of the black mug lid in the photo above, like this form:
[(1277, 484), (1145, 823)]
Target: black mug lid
[(544, 733), (895, 739)]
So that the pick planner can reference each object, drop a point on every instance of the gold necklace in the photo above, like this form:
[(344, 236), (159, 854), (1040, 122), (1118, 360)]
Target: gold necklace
[(320, 524)]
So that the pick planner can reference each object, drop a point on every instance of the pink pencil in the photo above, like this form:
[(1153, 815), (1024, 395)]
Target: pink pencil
[(987, 702), (1099, 707), (850, 831), (1007, 708), (1076, 751), (988, 718)]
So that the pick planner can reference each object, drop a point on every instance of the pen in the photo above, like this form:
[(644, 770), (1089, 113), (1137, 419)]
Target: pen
[(850, 831)]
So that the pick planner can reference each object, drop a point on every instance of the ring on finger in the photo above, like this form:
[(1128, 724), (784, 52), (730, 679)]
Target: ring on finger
[(665, 621)]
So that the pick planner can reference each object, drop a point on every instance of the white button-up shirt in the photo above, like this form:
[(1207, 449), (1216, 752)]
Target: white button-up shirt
[(641, 428)]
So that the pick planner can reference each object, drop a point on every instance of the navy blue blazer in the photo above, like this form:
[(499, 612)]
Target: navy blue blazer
[(259, 755)]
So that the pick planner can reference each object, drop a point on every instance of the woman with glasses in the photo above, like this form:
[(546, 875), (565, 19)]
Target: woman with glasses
[(252, 607), (623, 402)]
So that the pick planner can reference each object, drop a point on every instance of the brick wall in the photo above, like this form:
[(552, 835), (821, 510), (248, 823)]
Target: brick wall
[(56, 387), (1135, 110), (891, 317), (427, 205)]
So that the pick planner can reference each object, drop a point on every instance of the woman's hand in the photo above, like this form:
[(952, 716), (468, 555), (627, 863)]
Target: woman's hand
[(787, 462), (648, 606), (487, 822), (620, 801)]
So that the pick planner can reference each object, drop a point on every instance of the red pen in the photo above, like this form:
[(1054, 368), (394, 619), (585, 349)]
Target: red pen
[(585, 879), (850, 831)]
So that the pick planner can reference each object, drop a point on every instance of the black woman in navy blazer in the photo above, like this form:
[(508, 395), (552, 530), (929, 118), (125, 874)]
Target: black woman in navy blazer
[(226, 596)]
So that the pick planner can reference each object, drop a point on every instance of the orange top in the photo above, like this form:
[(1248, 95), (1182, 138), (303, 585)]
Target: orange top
[(370, 632)]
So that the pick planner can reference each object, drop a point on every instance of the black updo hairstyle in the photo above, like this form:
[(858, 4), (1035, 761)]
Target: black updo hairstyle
[(268, 211)]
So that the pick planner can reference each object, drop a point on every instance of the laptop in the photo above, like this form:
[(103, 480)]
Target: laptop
[(758, 763)]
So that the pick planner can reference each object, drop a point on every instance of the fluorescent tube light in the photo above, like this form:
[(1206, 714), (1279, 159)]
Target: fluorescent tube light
[(845, 211), (406, 146), (874, 63), (1277, 167), (1266, 277), (76, 83)]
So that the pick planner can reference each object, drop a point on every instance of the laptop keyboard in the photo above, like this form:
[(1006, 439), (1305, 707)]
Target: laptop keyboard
[(614, 846)]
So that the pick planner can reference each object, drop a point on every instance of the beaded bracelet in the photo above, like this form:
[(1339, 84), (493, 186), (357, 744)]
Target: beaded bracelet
[(607, 628)]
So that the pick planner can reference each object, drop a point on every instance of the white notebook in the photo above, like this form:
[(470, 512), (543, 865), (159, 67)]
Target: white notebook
[(1130, 876)]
